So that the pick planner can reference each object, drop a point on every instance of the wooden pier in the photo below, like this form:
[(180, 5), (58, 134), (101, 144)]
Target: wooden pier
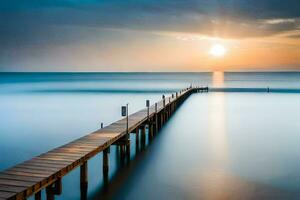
[(47, 170)]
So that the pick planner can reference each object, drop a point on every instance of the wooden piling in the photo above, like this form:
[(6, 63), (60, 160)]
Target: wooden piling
[(38, 195), (57, 189), (143, 137), (122, 152), (128, 150), (150, 131), (84, 180), (137, 139), (52, 190), (105, 161), (49, 193)]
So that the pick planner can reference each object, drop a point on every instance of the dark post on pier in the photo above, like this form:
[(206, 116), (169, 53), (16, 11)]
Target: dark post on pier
[(47, 170)]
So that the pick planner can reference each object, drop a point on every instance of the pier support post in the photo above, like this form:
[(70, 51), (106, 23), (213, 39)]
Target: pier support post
[(161, 119), (123, 144), (105, 165), (150, 134), (38, 195), (128, 150), (51, 190), (137, 140), (143, 137), (57, 190), (122, 149), (49, 193), (84, 180), (105, 161)]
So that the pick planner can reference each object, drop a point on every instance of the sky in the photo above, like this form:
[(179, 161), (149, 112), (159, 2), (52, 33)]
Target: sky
[(149, 35)]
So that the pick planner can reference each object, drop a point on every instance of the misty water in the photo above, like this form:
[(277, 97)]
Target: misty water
[(216, 146)]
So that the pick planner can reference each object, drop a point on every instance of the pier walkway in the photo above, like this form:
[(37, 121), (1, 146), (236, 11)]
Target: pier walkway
[(47, 170)]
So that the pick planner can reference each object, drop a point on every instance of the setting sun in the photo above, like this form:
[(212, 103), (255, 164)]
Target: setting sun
[(217, 50)]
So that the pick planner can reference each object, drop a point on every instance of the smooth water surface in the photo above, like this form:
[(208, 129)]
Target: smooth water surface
[(223, 146), (217, 146)]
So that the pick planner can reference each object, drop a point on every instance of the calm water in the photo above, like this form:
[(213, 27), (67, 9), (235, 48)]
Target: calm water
[(217, 146)]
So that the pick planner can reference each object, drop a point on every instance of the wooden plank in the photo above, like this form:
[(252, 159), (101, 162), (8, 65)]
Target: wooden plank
[(13, 189), (20, 178), (55, 162), (85, 144), (16, 183), (25, 174), (72, 149), (75, 156), (81, 145), (92, 143), (95, 138), (6, 195), (56, 158), (39, 168), (31, 171), (50, 165)]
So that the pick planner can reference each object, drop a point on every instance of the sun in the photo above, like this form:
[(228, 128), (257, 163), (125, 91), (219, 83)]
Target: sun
[(217, 50)]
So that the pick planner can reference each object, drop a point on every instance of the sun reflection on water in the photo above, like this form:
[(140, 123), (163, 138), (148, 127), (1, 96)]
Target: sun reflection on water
[(218, 79), (217, 137)]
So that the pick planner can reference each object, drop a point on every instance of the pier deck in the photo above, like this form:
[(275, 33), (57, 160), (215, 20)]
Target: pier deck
[(47, 170)]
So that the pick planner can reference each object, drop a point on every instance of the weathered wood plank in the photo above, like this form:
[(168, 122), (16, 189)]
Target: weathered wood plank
[(16, 183), (13, 189), (19, 178), (11, 172), (31, 171), (6, 195)]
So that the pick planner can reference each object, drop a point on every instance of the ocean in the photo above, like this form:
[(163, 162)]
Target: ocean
[(218, 145)]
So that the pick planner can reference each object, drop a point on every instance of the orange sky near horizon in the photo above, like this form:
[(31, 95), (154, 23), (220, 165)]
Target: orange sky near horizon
[(190, 52)]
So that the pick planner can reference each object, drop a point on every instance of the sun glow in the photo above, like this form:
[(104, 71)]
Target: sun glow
[(217, 50)]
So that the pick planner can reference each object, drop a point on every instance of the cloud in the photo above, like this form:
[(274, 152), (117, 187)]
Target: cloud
[(279, 21), (31, 25)]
